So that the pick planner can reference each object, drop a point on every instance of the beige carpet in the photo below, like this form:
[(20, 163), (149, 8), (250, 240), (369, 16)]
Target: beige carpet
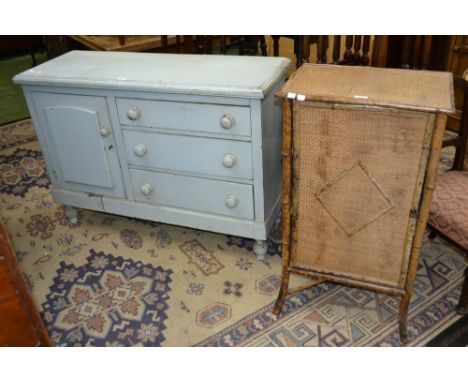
[(115, 281)]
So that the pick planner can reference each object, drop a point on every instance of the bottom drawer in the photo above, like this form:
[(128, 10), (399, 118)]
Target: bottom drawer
[(197, 194)]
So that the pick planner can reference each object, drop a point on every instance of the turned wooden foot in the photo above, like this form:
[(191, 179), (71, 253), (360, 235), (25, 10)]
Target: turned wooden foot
[(260, 248), (72, 214)]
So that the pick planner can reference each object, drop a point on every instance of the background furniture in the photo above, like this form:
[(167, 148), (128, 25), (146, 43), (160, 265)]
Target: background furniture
[(188, 44), (448, 216), (126, 43), (433, 52), (340, 56), (298, 47), (187, 140), (455, 54), (20, 323), (357, 191)]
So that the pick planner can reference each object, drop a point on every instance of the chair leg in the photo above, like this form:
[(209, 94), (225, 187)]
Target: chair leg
[(275, 45), (164, 44), (432, 232), (222, 44), (462, 307), (299, 48), (208, 45), (263, 46), (30, 47)]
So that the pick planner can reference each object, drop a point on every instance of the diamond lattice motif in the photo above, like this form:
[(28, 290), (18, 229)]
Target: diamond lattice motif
[(354, 199)]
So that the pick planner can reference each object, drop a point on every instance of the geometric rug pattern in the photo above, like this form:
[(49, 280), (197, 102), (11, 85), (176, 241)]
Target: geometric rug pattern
[(332, 315), (116, 281), (107, 301), (22, 170)]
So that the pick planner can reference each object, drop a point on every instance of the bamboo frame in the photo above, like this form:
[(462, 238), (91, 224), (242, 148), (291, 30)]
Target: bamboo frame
[(438, 127), (286, 204), (429, 185), (427, 104)]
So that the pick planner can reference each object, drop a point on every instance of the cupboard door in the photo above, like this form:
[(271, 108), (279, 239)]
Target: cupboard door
[(79, 138)]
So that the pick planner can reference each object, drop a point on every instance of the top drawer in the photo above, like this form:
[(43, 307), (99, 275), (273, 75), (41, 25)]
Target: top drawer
[(196, 117)]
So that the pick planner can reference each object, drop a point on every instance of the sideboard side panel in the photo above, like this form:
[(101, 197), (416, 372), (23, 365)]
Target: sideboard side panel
[(271, 153)]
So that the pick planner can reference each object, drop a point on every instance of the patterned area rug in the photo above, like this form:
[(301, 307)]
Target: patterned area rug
[(116, 281)]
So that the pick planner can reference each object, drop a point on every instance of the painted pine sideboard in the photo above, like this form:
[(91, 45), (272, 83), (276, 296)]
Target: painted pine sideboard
[(190, 140)]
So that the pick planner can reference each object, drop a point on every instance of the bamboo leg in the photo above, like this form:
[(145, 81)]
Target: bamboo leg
[(403, 318), (282, 293), (286, 205), (429, 185)]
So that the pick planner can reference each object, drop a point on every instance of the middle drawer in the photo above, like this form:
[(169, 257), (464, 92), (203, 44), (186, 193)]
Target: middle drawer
[(193, 155)]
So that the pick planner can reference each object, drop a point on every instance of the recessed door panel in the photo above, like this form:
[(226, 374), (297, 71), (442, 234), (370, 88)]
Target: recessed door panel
[(80, 139), (77, 141)]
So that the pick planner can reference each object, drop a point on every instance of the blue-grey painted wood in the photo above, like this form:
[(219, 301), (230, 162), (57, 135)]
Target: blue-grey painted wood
[(192, 117), (189, 180), (202, 156), (170, 215), (230, 76), (272, 128), (81, 142), (257, 168), (78, 144), (139, 94), (196, 194)]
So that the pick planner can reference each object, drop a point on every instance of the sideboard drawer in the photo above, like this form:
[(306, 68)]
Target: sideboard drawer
[(196, 117), (204, 195), (197, 155)]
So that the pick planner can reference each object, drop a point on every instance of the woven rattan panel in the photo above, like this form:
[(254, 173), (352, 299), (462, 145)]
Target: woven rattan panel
[(356, 174)]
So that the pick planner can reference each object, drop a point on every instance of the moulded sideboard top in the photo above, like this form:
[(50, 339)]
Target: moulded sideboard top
[(400, 88), (233, 76)]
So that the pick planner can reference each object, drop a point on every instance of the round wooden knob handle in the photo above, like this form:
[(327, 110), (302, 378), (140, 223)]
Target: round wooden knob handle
[(134, 113), (140, 150), (105, 131), (229, 160), (146, 189), (227, 121), (232, 201)]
